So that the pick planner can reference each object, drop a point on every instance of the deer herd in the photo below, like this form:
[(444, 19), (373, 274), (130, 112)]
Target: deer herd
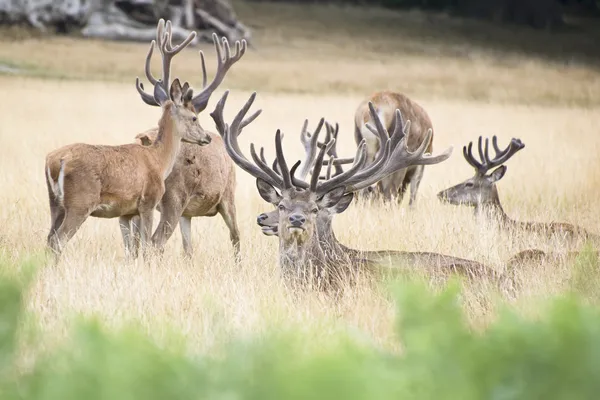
[(185, 171)]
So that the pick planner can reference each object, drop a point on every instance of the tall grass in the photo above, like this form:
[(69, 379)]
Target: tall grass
[(554, 356)]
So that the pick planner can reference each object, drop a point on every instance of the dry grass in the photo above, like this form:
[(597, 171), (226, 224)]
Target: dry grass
[(556, 177), (317, 50)]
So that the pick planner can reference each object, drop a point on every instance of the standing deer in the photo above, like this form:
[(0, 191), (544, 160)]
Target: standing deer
[(202, 182), (307, 244), (480, 191), (123, 181), (386, 103)]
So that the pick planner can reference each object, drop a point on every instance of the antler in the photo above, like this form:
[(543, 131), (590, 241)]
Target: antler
[(332, 153), (393, 156), (310, 146), (260, 168), (200, 101), (501, 157), (167, 51)]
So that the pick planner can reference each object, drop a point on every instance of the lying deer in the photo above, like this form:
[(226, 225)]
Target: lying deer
[(269, 223), (386, 103), (307, 244), (481, 192), (123, 181), (202, 182)]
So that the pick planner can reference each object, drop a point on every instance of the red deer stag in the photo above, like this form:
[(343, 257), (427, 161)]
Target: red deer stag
[(307, 246), (269, 223), (202, 182), (480, 192), (386, 103), (123, 181)]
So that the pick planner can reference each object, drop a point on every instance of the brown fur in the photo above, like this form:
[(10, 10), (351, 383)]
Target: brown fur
[(481, 193), (117, 181), (386, 103), (201, 184)]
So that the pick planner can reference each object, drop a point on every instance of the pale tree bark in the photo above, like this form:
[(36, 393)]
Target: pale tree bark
[(127, 19)]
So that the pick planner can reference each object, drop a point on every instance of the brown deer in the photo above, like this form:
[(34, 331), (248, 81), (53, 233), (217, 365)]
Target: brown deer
[(307, 244), (480, 192), (123, 181), (202, 182), (386, 103), (269, 224)]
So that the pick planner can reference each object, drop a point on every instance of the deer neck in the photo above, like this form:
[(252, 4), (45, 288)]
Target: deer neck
[(300, 260), (493, 210), (330, 244), (167, 143)]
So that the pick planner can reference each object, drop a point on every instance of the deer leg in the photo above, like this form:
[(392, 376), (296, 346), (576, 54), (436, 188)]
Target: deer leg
[(146, 219), (185, 225), (415, 181), (135, 227), (228, 212), (72, 221), (128, 232), (171, 211)]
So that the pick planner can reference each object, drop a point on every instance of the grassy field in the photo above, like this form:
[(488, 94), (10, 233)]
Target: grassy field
[(324, 71)]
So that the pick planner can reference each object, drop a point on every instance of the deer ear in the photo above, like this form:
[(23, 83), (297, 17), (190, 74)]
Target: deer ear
[(497, 174), (267, 192), (187, 97), (160, 95), (343, 204), (331, 198), (176, 91), (144, 140)]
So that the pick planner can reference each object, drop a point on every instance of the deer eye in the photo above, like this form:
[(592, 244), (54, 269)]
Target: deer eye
[(314, 210), (194, 118), (469, 184), (281, 207)]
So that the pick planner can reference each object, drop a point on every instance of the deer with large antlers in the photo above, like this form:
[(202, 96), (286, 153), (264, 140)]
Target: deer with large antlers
[(307, 244), (481, 193), (269, 224), (202, 182), (124, 181), (386, 103)]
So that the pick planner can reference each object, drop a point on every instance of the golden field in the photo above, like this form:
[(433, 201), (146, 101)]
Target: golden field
[(554, 109)]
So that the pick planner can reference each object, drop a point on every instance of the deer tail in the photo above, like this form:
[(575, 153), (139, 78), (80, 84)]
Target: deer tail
[(58, 187)]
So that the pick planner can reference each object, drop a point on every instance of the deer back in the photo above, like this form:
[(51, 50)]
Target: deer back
[(386, 103)]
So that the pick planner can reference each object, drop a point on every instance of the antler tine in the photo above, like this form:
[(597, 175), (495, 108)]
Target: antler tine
[(387, 145), (468, 154), (283, 168), (397, 156), (200, 101), (314, 179), (310, 143), (230, 135), (329, 168), (163, 42), (501, 155), (339, 180)]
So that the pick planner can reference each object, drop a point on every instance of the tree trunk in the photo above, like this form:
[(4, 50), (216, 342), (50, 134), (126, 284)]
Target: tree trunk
[(127, 19)]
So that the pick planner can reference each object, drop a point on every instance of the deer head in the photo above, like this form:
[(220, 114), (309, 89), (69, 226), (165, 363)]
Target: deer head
[(298, 202), (481, 188), (185, 106)]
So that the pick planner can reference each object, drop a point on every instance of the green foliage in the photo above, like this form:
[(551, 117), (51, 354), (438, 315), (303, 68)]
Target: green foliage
[(554, 357)]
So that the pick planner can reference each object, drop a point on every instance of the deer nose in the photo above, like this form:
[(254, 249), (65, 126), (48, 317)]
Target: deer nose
[(297, 219), (205, 140), (261, 218)]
